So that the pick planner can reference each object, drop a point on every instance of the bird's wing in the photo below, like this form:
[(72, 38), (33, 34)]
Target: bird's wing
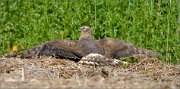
[(60, 49), (118, 49)]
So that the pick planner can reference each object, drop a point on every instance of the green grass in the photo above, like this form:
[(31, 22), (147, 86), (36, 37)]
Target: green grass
[(150, 24)]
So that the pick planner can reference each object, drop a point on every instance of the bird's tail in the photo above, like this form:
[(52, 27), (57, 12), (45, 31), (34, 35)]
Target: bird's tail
[(30, 53)]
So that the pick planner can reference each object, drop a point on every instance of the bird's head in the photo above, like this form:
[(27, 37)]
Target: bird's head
[(85, 32)]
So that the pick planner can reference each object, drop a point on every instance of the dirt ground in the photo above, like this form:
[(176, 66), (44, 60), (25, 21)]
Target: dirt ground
[(47, 72)]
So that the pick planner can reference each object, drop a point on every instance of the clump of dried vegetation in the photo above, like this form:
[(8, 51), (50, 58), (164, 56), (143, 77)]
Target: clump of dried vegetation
[(47, 72)]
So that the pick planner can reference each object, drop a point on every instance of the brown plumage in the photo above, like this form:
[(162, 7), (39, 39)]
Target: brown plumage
[(76, 49)]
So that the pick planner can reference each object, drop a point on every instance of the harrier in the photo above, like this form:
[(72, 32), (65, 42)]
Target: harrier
[(76, 49)]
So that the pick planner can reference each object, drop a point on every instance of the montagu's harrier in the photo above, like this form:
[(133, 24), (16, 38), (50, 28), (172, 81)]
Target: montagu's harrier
[(76, 49)]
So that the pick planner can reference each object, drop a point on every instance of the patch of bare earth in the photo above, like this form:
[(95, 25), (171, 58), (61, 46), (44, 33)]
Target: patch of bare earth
[(47, 72)]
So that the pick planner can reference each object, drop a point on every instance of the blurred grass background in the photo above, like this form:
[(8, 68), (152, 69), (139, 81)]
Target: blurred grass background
[(151, 24)]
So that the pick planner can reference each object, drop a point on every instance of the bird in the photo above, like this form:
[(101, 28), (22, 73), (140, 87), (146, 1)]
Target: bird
[(74, 50)]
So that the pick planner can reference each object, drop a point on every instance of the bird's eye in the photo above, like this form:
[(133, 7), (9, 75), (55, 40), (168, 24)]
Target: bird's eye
[(83, 28)]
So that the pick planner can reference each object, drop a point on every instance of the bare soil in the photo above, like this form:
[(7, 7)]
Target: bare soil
[(47, 72)]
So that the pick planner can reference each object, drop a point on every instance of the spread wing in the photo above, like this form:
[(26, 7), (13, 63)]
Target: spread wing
[(59, 49), (115, 48)]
